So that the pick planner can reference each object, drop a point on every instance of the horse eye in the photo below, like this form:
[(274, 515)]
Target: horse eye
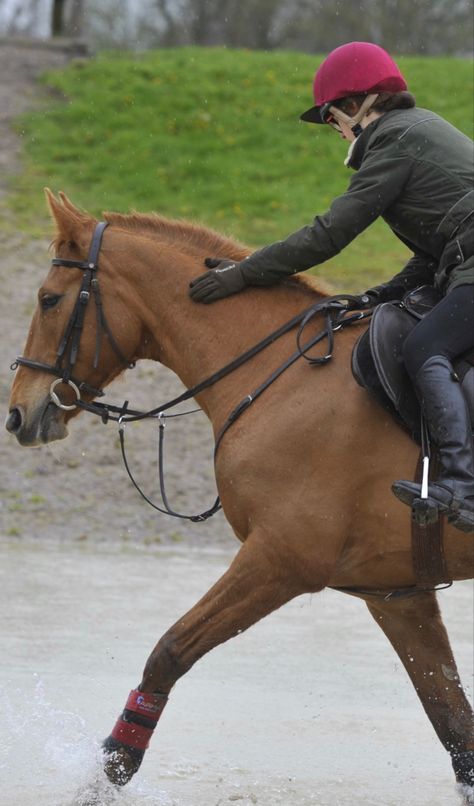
[(49, 301)]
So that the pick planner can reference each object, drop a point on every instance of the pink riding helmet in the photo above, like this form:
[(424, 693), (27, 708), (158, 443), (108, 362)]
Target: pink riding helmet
[(352, 69)]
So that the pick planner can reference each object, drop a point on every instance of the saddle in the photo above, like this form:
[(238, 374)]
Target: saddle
[(377, 363)]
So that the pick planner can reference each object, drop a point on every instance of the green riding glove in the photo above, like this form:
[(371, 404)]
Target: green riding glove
[(224, 278)]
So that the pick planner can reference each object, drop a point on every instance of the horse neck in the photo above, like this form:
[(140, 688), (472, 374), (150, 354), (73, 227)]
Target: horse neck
[(195, 340)]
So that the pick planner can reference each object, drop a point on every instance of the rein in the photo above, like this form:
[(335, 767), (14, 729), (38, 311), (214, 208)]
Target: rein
[(334, 309), (335, 313)]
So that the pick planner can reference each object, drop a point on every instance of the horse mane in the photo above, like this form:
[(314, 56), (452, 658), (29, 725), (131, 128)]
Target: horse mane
[(196, 240), (191, 238), (186, 236)]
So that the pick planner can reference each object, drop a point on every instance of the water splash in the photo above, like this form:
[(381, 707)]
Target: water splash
[(62, 762), (466, 793)]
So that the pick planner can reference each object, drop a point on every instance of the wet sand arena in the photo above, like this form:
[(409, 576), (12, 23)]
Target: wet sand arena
[(309, 707)]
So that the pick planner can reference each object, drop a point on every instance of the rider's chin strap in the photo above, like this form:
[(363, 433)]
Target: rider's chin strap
[(354, 122)]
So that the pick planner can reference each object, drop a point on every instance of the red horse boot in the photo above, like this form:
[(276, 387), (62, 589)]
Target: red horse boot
[(125, 747)]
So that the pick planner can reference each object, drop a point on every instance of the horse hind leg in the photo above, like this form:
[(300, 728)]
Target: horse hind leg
[(415, 629)]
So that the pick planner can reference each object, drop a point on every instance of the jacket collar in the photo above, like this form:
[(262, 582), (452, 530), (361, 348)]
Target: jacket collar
[(358, 147)]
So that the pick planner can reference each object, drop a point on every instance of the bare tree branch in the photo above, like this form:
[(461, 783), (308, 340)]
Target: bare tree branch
[(315, 26)]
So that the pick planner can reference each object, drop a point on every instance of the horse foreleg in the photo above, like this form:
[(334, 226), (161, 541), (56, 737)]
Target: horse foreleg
[(261, 578), (415, 629)]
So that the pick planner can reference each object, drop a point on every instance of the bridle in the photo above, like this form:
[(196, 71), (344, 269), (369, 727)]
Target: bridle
[(66, 354)]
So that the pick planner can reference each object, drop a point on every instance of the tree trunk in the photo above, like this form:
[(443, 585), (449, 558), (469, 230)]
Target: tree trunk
[(75, 26), (57, 22)]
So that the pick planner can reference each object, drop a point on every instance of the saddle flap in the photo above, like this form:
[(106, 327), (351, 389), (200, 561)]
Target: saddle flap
[(389, 327), (367, 375)]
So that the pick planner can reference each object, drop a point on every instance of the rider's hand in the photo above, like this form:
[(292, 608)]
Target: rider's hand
[(224, 278)]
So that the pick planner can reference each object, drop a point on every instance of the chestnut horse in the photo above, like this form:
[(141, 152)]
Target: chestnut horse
[(304, 475)]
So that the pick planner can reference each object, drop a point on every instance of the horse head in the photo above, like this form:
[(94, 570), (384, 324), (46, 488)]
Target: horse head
[(70, 328)]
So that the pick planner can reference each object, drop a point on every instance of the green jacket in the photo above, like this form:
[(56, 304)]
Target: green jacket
[(416, 171)]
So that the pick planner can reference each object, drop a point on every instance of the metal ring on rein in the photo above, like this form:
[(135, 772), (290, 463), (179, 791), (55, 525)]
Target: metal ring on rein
[(55, 399)]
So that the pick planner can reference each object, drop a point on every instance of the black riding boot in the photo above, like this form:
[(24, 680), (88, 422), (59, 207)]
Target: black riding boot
[(446, 411)]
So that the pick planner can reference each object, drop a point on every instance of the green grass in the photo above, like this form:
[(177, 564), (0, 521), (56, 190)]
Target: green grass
[(212, 135)]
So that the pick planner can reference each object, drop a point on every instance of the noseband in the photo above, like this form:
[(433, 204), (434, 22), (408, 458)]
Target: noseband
[(66, 354)]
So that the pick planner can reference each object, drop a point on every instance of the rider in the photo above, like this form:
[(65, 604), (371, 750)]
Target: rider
[(416, 171)]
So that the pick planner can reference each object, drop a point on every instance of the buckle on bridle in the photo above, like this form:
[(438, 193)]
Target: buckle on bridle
[(55, 399)]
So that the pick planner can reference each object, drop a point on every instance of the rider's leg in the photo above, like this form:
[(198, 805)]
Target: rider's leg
[(446, 332)]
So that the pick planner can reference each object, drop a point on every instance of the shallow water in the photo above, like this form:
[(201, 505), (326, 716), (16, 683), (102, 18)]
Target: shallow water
[(310, 707)]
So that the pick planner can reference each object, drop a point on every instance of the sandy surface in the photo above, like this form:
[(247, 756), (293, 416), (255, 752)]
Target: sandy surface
[(308, 708)]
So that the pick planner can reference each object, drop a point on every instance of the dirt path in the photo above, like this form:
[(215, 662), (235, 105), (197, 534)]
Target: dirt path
[(77, 490), (21, 63)]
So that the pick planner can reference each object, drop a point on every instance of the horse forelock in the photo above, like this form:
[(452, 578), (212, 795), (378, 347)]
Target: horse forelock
[(197, 240)]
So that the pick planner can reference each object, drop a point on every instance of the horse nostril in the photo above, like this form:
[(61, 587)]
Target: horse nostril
[(13, 421)]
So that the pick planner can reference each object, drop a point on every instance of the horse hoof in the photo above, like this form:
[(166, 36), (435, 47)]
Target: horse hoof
[(120, 762), (463, 766)]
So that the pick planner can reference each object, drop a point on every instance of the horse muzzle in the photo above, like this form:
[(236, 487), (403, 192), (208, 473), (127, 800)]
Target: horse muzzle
[(46, 424)]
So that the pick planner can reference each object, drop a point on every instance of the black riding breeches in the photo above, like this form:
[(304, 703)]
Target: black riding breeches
[(447, 330)]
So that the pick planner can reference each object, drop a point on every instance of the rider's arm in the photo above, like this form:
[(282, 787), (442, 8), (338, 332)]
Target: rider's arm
[(376, 185)]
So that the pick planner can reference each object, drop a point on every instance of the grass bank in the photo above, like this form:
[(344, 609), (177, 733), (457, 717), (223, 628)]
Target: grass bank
[(212, 135)]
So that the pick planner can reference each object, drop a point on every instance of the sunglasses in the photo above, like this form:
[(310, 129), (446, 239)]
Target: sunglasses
[(329, 118)]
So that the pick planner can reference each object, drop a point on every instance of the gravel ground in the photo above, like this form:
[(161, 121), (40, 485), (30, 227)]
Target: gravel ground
[(77, 490)]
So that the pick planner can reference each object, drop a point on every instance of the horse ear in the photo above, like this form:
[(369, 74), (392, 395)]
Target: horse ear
[(67, 217), (67, 203), (52, 202), (58, 213)]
